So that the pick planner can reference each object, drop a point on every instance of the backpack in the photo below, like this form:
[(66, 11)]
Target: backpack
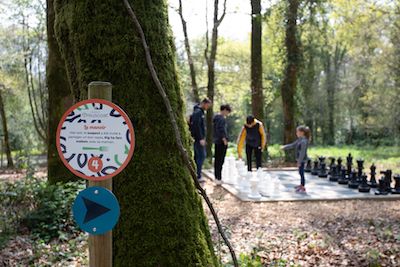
[(190, 123)]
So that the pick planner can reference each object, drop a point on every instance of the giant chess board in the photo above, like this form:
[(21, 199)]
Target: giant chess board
[(278, 185)]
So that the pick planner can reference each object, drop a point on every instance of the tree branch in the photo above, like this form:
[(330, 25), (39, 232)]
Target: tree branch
[(178, 137)]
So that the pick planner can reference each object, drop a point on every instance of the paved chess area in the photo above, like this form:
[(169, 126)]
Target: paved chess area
[(282, 183)]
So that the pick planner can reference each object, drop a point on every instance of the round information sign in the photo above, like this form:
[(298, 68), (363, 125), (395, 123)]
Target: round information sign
[(95, 139)]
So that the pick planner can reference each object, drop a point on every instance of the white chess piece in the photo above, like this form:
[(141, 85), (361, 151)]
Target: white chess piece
[(254, 182)]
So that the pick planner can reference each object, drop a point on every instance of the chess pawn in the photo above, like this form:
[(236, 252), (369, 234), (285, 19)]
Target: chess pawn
[(343, 179), (396, 189), (353, 183), (372, 180), (254, 182), (364, 187), (322, 172), (339, 163), (308, 167), (315, 169)]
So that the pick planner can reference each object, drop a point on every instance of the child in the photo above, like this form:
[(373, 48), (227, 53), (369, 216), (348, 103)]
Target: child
[(300, 145)]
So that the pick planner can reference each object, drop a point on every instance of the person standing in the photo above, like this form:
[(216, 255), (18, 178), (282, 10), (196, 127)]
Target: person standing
[(198, 130), (303, 134), (253, 134), (220, 136)]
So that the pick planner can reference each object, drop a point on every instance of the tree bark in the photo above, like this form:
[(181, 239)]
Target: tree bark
[(211, 58), (289, 83), (162, 222), (60, 99), (195, 88), (10, 163), (257, 99)]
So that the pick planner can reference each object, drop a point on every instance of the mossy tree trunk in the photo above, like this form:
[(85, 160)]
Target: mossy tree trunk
[(162, 222), (60, 99)]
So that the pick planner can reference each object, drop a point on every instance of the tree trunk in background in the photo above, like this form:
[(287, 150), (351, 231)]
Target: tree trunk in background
[(257, 99), (162, 222), (289, 83), (60, 99), (195, 88), (10, 163), (210, 58)]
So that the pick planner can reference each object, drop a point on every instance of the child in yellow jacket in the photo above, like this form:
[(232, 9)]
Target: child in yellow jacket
[(253, 134)]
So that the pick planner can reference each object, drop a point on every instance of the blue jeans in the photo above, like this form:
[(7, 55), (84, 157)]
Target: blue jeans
[(199, 157), (301, 172)]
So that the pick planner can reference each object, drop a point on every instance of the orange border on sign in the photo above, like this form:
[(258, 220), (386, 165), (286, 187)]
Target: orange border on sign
[(128, 122)]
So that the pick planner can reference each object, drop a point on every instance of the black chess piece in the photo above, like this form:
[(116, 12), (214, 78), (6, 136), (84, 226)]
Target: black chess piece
[(382, 189), (308, 167), (331, 164), (322, 172), (315, 169), (396, 189), (343, 179), (372, 181), (339, 163), (334, 175), (387, 180), (364, 187), (353, 183), (360, 168), (349, 161)]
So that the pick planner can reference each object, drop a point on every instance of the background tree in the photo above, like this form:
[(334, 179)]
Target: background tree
[(210, 54), (163, 222), (60, 99), (257, 98), (289, 82), (10, 162)]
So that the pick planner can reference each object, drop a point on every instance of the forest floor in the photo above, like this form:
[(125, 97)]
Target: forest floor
[(336, 233)]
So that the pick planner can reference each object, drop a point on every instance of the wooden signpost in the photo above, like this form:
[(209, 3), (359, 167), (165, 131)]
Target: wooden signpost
[(95, 141)]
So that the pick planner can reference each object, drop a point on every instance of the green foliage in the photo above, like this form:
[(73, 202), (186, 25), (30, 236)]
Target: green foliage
[(44, 209)]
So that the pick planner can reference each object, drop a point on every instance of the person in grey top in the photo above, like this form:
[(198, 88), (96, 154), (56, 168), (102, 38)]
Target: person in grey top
[(303, 134)]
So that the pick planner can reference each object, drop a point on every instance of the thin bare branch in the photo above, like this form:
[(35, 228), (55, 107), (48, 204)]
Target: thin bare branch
[(178, 138)]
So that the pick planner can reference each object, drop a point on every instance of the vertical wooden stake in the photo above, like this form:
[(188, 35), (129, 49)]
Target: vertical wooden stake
[(100, 246)]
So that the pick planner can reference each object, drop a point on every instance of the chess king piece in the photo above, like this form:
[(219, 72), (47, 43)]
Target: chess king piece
[(315, 169), (349, 165), (353, 183), (343, 179), (364, 187), (372, 181), (396, 189), (308, 167)]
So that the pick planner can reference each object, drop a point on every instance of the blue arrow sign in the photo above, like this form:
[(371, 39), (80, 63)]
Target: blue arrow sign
[(96, 210)]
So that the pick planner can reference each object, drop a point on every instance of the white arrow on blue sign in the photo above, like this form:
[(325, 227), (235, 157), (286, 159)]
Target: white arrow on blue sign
[(96, 210)]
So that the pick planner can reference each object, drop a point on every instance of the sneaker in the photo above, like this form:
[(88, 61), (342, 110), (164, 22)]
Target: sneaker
[(301, 190), (218, 182), (297, 187), (201, 180)]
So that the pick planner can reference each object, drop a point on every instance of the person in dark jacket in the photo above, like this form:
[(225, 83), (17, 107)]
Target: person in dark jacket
[(253, 134), (198, 130), (220, 136)]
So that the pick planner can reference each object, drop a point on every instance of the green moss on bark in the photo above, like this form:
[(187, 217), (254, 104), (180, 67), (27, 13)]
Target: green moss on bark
[(60, 98), (162, 222)]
